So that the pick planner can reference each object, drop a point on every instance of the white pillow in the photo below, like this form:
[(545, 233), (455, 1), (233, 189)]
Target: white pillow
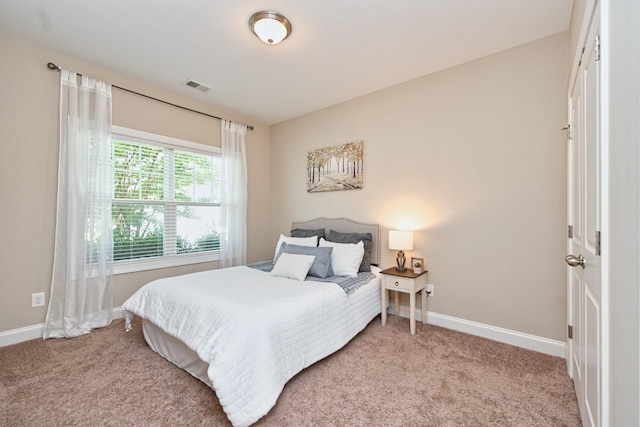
[(300, 241), (345, 257), (292, 266)]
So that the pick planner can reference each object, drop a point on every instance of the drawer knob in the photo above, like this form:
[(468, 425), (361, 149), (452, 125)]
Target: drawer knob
[(397, 284)]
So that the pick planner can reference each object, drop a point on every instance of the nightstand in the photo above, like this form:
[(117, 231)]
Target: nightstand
[(409, 283)]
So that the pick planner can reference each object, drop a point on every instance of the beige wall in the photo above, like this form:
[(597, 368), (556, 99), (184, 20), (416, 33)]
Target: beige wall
[(29, 166), (473, 159)]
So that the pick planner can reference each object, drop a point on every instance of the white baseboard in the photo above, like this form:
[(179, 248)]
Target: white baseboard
[(519, 339), (507, 336), (33, 332)]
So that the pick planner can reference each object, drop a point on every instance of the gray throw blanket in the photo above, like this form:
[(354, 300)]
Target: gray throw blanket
[(348, 284)]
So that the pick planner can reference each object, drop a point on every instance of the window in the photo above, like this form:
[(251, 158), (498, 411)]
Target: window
[(166, 201)]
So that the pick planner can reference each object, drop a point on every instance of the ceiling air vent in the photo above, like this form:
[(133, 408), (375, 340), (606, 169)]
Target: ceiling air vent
[(200, 86)]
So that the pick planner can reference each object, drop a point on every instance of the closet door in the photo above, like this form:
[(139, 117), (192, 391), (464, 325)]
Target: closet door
[(584, 260)]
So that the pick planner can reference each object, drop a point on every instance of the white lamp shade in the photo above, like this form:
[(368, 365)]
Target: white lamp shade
[(270, 31), (400, 240)]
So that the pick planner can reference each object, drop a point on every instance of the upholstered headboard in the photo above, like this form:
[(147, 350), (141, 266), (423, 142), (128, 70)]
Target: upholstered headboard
[(345, 225)]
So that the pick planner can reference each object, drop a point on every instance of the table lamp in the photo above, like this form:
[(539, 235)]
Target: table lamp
[(400, 241)]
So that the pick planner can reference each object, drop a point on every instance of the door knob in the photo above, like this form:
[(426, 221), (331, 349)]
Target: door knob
[(575, 261)]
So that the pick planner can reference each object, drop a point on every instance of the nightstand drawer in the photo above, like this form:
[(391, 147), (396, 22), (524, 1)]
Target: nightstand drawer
[(396, 282)]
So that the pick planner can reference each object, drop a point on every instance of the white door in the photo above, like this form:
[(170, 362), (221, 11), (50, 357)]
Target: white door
[(584, 278)]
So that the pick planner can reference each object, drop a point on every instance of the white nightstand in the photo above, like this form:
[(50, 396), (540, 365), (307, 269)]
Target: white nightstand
[(409, 283)]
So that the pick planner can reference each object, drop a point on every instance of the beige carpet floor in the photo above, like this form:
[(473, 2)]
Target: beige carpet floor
[(383, 377)]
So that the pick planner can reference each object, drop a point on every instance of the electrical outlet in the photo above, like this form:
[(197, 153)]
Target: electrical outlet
[(430, 290), (37, 300)]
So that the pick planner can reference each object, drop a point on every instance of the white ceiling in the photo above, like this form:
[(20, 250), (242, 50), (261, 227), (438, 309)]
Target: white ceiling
[(338, 50)]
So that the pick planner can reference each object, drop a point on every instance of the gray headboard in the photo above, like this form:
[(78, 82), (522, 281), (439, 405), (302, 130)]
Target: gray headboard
[(345, 225)]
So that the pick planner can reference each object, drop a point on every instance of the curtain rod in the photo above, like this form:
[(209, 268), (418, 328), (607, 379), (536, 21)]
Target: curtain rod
[(53, 66)]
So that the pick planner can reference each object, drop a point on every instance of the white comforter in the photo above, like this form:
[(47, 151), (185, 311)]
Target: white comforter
[(254, 330)]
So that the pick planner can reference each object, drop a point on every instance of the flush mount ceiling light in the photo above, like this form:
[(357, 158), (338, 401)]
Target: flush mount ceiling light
[(270, 27)]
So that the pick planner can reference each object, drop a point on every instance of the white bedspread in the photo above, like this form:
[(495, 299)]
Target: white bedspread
[(255, 331)]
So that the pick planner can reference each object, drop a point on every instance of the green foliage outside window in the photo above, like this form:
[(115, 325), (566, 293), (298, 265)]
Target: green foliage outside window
[(144, 199)]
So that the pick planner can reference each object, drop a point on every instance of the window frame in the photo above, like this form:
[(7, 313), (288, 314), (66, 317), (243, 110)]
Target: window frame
[(166, 261)]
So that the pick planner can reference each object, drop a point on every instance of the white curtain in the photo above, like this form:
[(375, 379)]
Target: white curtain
[(82, 283), (234, 194)]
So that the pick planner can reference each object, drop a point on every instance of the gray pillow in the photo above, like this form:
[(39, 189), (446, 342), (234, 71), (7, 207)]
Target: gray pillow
[(321, 266), (303, 232), (366, 238)]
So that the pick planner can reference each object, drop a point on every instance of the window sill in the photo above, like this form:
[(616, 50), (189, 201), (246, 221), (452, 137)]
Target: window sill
[(124, 267)]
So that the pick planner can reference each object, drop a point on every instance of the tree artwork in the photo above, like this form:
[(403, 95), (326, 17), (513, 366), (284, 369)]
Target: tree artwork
[(339, 167)]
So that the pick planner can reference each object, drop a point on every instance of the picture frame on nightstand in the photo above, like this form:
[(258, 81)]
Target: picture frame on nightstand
[(417, 264)]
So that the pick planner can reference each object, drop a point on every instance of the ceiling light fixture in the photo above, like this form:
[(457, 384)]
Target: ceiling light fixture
[(270, 27)]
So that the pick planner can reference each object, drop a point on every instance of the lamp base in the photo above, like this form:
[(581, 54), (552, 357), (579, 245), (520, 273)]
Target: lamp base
[(400, 261)]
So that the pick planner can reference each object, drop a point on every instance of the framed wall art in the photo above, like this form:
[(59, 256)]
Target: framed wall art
[(339, 167)]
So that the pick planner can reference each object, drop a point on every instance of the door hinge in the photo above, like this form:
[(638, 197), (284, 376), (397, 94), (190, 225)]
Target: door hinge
[(598, 243), (570, 231), (570, 332), (598, 47)]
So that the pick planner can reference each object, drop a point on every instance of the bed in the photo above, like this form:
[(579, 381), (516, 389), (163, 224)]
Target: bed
[(245, 331)]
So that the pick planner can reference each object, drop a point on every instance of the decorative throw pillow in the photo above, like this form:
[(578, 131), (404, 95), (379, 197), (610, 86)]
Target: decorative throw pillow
[(345, 258), (292, 266), (304, 232), (366, 238), (300, 241), (321, 266)]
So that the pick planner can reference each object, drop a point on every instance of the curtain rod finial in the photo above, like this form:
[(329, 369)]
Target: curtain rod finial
[(52, 66)]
